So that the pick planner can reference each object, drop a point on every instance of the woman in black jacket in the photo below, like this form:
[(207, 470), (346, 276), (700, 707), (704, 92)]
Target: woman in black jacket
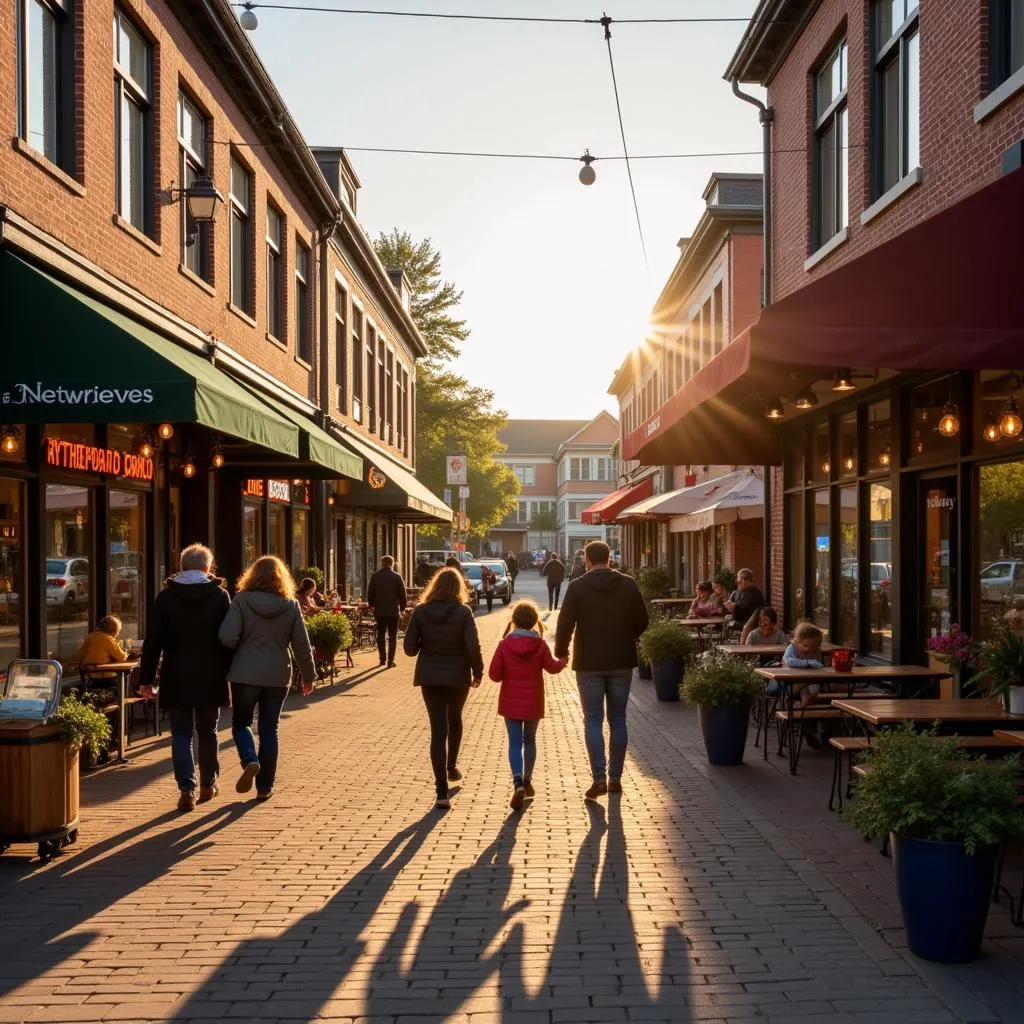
[(442, 633)]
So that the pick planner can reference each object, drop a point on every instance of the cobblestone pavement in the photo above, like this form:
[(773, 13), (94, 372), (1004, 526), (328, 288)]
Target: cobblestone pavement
[(706, 895)]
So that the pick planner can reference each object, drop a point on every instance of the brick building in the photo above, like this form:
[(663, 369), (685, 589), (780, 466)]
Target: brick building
[(246, 381), (882, 381)]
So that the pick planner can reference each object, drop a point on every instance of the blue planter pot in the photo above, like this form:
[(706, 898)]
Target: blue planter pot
[(944, 894), (724, 729), (667, 676)]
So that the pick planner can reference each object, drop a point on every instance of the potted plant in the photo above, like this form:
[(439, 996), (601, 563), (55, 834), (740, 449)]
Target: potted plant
[(723, 688), (667, 648), (313, 573), (955, 650), (83, 727), (1000, 664), (726, 577), (947, 813), (653, 581), (329, 632)]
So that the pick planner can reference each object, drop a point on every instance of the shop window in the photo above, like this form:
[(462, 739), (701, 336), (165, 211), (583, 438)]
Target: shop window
[(300, 538), (850, 581), (831, 149), (896, 137), (67, 544), (879, 438), (277, 535), (930, 404), (193, 133), (12, 580), (253, 531), (879, 606), (45, 78), (822, 560), (79, 433), (821, 455), (847, 454), (275, 275), (359, 578), (1005, 40), (797, 556), (241, 240), (127, 544), (133, 61), (1000, 580)]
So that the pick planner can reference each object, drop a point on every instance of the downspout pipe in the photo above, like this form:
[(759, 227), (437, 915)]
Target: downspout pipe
[(766, 115)]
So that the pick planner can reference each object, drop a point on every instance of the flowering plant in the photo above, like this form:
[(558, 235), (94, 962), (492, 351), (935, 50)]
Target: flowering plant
[(955, 648)]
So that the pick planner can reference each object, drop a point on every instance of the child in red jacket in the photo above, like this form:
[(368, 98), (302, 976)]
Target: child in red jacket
[(518, 664)]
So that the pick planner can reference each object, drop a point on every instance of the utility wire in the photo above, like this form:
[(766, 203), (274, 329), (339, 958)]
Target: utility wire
[(607, 23)]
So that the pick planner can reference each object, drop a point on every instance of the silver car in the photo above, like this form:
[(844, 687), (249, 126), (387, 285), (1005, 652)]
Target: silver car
[(67, 583)]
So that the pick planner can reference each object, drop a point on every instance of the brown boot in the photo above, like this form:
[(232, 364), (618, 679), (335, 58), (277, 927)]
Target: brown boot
[(614, 786), (187, 800), (599, 788), (528, 786), (208, 792)]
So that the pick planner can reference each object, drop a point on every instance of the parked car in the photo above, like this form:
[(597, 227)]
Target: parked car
[(999, 581), (475, 574), (67, 583), (499, 567)]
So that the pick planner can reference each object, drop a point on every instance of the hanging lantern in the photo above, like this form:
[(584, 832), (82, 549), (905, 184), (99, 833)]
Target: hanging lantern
[(188, 467), (991, 431), (166, 431), (949, 421), (10, 442), (849, 462), (885, 457), (1010, 424)]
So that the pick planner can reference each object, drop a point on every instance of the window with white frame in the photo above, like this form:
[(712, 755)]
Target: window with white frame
[(358, 326), (193, 140), (526, 475), (523, 512), (303, 335), (1005, 40), (585, 469), (390, 399), (371, 379), (831, 149), (45, 76), (897, 103), (574, 469), (275, 274), (241, 229), (381, 389), (133, 63)]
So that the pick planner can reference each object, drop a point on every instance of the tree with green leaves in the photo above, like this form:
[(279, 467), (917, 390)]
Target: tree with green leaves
[(452, 415)]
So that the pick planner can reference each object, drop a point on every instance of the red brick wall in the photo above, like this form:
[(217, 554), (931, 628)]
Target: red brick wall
[(746, 255), (744, 547), (957, 155), (80, 212)]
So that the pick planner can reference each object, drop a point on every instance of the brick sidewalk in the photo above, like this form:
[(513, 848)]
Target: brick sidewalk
[(696, 896)]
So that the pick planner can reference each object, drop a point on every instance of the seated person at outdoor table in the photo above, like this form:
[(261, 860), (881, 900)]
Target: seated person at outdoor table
[(100, 647), (745, 599), (705, 604), (309, 600), (766, 629), (803, 653)]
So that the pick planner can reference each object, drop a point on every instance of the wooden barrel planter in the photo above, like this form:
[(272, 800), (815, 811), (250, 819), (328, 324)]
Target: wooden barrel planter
[(38, 787)]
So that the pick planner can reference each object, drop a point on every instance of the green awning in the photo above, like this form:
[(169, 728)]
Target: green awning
[(315, 444), (68, 358)]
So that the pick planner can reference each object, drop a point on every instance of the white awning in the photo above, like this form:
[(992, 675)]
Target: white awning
[(685, 500), (743, 500)]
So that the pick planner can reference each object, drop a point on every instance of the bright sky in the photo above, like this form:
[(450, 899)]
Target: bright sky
[(556, 291)]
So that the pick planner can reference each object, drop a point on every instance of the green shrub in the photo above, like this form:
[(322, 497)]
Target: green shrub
[(82, 726), (315, 574), (920, 785), (1000, 662), (329, 632), (726, 577), (654, 581), (665, 642), (716, 679)]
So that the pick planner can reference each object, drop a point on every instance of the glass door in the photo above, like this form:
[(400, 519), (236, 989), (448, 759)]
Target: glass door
[(938, 500)]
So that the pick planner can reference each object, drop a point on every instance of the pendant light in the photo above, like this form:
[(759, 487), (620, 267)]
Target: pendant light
[(805, 398), (949, 421), (843, 381), (217, 457), (991, 431), (166, 431), (188, 467), (885, 457), (775, 409), (1010, 424), (146, 448), (849, 461), (826, 465), (10, 441)]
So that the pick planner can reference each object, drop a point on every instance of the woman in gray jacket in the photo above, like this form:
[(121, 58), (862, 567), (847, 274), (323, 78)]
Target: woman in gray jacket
[(261, 625)]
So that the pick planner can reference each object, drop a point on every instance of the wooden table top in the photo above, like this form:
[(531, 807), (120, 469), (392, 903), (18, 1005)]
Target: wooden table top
[(712, 620), (858, 672), (774, 650), (673, 600), (891, 712), (115, 666), (1011, 735)]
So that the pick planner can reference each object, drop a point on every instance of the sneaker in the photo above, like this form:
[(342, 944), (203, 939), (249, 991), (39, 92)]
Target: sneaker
[(382, 663), (442, 804), (518, 795), (454, 775), (391, 664), (245, 780), (262, 794), (187, 800), (528, 786), (599, 788), (208, 792), (614, 786)]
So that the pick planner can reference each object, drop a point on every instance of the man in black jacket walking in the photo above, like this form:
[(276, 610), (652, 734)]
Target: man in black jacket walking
[(386, 596), (604, 614), (554, 571)]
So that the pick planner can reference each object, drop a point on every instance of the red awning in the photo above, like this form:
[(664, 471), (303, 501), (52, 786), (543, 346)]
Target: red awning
[(944, 294), (605, 510)]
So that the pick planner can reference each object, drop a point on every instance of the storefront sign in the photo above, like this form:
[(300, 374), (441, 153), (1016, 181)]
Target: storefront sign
[(278, 490), (936, 502), (9, 531), (457, 470), (654, 425), (87, 459), (42, 394), (254, 489), (375, 478)]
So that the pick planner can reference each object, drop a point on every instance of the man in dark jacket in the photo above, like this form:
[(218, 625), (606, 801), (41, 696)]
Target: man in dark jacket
[(745, 599), (554, 571), (386, 596), (579, 567), (605, 611), (183, 627), (513, 571)]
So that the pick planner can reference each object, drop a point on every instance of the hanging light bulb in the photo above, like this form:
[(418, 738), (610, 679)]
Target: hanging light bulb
[(587, 173), (991, 431), (247, 19), (330, 497), (826, 465), (166, 431), (949, 421), (146, 448), (805, 398), (188, 467), (885, 456), (775, 410), (217, 457), (843, 381), (849, 461), (919, 445), (1010, 424), (10, 442)]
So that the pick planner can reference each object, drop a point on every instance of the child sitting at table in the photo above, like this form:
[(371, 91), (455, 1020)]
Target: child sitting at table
[(100, 647), (804, 652), (705, 604)]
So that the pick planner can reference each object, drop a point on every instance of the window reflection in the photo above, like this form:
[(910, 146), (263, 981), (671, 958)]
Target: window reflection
[(67, 542), (849, 578), (879, 438), (12, 583), (797, 556), (880, 549), (1000, 585), (822, 560), (127, 539), (253, 531)]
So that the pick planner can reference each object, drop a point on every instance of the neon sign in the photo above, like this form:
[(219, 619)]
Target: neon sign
[(88, 459)]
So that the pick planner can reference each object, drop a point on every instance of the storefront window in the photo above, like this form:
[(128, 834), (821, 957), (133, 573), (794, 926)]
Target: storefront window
[(80, 433), (821, 456), (358, 558), (879, 438), (822, 560), (127, 538), (300, 538), (371, 546), (794, 461), (719, 548), (796, 574), (350, 559), (929, 403), (253, 531), (67, 542), (847, 454), (880, 550), (12, 580), (277, 539), (849, 577), (1000, 585), (173, 528)]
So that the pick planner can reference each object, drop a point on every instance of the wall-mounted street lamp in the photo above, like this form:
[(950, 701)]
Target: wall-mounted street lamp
[(202, 200)]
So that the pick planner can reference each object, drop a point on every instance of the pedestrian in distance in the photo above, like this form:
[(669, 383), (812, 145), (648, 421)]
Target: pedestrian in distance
[(443, 638), (488, 583), (554, 572), (519, 663), (578, 566), (183, 628), (264, 627), (424, 570), (604, 615), (387, 598), (513, 571)]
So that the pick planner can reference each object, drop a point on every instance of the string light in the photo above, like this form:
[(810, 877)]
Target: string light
[(166, 431), (991, 431), (949, 421), (11, 440), (146, 448), (188, 467), (217, 457)]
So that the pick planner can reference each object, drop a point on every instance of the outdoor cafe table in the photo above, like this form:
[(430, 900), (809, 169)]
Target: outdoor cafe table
[(947, 712), (666, 604), (770, 650), (716, 622), (122, 669), (791, 680), (1010, 736)]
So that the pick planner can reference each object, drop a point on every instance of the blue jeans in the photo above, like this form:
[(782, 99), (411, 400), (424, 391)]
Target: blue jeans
[(204, 722), (245, 698), (598, 689), (522, 746)]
